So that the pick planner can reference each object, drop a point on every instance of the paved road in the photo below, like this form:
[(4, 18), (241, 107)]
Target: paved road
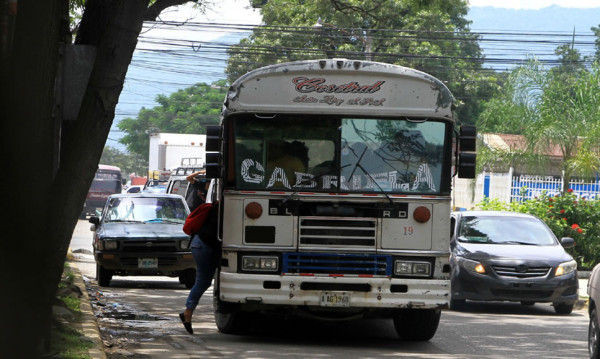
[(138, 317)]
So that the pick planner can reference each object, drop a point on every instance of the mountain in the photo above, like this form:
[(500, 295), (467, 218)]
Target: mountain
[(552, 18), (509, 35)]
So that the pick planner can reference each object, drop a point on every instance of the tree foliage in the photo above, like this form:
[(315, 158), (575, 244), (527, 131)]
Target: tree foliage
[(552, 109), (127, 162), (185, 111), (432, 36)]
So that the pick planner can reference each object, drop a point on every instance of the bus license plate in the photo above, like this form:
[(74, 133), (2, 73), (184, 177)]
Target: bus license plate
[(147, 262), (335, 299)]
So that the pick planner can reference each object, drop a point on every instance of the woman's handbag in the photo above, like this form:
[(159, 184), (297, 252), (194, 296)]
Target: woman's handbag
[(196, 218)]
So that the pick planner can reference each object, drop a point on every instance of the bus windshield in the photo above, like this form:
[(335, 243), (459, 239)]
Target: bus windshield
[(339, 154)]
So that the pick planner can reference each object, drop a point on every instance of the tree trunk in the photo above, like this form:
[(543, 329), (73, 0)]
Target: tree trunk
[(29, 137), (49, 164)]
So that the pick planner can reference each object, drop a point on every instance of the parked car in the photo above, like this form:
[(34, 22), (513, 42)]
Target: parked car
[(508, 256), (593, 291), (178, 183), (155, 186), (134, 189), (142, 234)]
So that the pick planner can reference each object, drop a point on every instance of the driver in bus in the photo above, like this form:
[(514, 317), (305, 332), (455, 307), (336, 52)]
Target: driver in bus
[(285, 159)]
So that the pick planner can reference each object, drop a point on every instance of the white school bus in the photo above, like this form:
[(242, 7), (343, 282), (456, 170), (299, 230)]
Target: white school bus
[(334, 181)]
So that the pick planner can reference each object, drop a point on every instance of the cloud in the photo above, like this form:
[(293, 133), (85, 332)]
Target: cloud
[(534, 4)]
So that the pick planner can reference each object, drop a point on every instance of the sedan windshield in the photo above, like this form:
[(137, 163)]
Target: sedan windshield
[(145, 209), (505, 230)]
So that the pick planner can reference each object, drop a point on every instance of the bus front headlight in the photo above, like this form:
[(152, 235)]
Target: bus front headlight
[(260, 263), (412, 268)]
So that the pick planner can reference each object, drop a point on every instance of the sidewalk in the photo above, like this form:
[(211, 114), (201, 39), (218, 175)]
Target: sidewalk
[(88, 324)]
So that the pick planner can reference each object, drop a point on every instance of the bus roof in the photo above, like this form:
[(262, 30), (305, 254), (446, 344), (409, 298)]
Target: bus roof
[(109, 167), (340, 86)]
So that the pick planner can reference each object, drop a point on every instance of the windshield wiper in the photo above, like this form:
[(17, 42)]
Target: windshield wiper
[(163, 220), (519, 242), (123, 220), (309, 180)]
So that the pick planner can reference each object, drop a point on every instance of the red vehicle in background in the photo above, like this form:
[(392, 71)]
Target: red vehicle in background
[(108, 180)]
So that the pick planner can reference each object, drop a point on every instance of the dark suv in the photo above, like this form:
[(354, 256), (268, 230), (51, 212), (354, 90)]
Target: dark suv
[(142, 234)]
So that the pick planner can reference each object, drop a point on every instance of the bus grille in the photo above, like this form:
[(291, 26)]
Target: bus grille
[(337, 264), (337, 232)]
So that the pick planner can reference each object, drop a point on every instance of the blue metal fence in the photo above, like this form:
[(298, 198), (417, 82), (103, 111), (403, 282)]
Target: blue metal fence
[(528, 187)]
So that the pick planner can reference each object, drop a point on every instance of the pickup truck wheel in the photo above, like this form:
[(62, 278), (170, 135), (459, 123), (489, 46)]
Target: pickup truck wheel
[(562, 308), (103, 275), (188, 278), (417, 324)]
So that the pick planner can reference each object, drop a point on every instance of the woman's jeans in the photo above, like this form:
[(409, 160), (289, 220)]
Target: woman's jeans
[(205, 258)]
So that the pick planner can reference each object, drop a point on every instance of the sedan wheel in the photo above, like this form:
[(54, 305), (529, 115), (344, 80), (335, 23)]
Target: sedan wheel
[(594, 336), (562, 308), (457, 304)]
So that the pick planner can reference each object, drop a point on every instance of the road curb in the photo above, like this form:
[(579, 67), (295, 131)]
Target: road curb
[(88, 325)]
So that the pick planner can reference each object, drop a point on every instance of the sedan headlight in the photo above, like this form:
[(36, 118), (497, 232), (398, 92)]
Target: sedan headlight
[(260, 263), (471, 266), (565, 268)]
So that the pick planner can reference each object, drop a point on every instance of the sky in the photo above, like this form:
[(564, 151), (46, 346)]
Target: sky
[(535, 4), (150, 75)]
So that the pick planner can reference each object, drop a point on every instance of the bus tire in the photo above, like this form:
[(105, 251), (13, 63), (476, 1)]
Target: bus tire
[(417, 324), (227, 317), (103, 275)]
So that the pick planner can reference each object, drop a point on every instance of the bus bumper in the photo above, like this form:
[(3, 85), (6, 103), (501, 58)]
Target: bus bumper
[(354, 292)]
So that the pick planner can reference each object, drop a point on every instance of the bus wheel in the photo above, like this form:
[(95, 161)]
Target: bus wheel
[(103, 275), (417, 324), (227, 317)]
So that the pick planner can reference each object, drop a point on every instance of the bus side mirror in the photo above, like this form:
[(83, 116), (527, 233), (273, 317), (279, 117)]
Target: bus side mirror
[(468, 138), (467, 157), (214, 165), (466, 164), (214, 142), (213, 138)]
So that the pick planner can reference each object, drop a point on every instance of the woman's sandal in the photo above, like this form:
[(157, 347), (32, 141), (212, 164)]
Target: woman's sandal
[(187, 325)]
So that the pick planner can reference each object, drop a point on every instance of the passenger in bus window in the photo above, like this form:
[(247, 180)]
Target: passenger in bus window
[(284, 160)]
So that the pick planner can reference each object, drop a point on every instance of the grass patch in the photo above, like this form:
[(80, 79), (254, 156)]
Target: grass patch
[(67, 342), (72, 304)]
